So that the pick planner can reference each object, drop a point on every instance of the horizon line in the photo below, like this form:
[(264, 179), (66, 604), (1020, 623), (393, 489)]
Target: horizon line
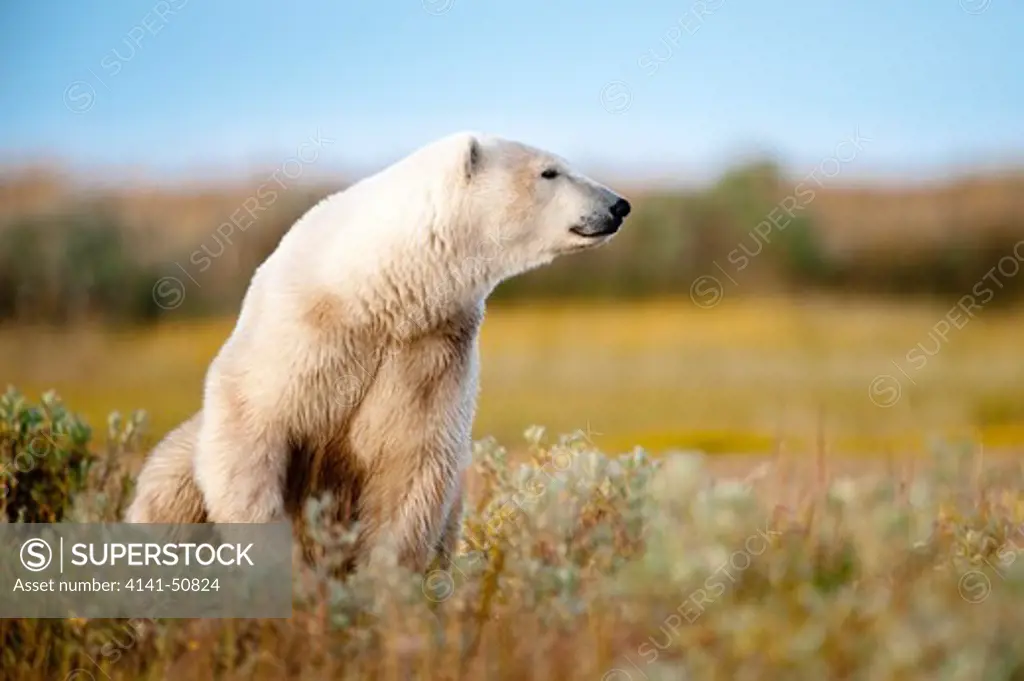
[(668, 176)]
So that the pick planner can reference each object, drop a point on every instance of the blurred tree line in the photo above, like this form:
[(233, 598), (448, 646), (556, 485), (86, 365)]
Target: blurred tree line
[(87, 259)]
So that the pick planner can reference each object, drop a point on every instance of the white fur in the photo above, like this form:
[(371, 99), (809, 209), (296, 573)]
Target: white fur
[(357, 338)]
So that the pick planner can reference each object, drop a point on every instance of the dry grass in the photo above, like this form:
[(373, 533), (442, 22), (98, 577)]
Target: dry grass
[(629, 569)]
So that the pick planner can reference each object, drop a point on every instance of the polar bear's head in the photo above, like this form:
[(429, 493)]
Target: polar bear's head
[(523, 206)]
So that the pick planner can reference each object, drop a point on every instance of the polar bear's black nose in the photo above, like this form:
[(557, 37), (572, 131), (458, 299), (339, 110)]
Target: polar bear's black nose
[(620, 208)]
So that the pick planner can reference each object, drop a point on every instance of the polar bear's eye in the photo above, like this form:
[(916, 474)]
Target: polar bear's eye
[(549, 174)]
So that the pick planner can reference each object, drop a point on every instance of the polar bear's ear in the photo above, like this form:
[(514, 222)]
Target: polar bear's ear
[(472, 157)]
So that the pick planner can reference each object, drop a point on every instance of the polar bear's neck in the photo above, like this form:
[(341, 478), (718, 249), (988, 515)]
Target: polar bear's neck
[(393, 260)]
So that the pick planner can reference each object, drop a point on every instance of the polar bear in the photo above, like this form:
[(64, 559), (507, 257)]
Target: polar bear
[(352, 368)]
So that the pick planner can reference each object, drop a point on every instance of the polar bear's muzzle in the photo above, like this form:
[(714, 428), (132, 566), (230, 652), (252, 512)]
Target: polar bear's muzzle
[(603, 224)]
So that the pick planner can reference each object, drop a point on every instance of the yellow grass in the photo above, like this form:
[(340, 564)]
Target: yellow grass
[(741, 377)]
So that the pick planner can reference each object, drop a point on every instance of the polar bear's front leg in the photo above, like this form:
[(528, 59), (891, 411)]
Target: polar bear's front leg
[(406, 511), (240, 464), (413, 431)]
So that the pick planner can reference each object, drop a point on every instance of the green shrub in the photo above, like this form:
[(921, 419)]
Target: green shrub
[(804, 259), (44, 458), (51, 471), (71, 266), (47, 461)]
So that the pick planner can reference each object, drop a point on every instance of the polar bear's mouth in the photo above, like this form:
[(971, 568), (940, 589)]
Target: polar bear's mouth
[(594, 235), (590, 237), (592, 231)]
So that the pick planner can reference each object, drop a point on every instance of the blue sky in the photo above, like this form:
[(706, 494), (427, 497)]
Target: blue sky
[(173, 85)]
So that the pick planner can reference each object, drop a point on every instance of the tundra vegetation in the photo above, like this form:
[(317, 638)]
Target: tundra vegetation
[(577, 564)]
